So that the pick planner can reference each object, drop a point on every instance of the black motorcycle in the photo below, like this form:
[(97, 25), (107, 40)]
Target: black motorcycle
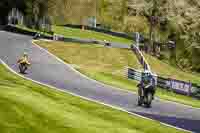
[(23, 67), (145, 95), (37, 36)]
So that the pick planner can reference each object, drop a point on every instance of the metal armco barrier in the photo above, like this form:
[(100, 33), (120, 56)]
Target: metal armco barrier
[(177, 86), (109, 32), (14, 29), (134, 74), (141, 58), (57, 37), (117, 34)]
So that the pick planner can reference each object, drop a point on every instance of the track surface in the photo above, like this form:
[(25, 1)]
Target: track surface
[(47, 69)]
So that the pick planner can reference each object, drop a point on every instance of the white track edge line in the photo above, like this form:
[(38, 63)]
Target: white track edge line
[(91, 100), (104, 83)]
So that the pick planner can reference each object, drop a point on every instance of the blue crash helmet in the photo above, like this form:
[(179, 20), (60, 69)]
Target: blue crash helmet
[(146, 76)]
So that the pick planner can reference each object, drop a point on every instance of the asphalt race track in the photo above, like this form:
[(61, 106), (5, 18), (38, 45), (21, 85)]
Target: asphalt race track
[(47, 69)]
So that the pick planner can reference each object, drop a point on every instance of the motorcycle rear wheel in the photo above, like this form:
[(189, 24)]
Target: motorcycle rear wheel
[(22, 68), (140, 100), (149, 99)]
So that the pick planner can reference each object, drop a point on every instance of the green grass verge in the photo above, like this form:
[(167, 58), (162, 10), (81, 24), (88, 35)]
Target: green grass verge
[(87, 34), (83, 34), (32, 30), (30, 108), (124, 83), (167, 70), (107, 65)]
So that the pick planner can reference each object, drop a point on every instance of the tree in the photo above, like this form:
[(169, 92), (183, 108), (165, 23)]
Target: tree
[(35, 10), (7, 5), (154, 12)]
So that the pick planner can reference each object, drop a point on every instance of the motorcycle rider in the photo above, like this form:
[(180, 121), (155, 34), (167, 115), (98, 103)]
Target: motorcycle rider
[(144, 83), (24, 61), (147, 82), (37, 35)]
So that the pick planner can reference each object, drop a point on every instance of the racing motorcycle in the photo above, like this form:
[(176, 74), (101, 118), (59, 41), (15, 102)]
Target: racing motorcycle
[(23, 63), (145, 94), (23, 67), (36, 36)]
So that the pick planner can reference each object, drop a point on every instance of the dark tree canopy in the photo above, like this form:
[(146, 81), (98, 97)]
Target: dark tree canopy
[(28, 7), (7, 5)]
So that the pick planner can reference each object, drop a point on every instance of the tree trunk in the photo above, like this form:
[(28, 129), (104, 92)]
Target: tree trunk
[(150, 39)]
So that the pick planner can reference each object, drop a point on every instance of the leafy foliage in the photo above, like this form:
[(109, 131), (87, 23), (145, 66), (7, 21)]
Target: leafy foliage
[(178, 18)]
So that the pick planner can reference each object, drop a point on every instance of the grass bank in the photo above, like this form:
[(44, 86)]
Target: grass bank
[(83, 34), (107, 65), (87, 34), (30, 108), (166, 70)]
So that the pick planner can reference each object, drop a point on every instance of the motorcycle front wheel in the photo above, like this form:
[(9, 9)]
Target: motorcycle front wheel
[(140, 100), (22, 68), (149, 99)]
